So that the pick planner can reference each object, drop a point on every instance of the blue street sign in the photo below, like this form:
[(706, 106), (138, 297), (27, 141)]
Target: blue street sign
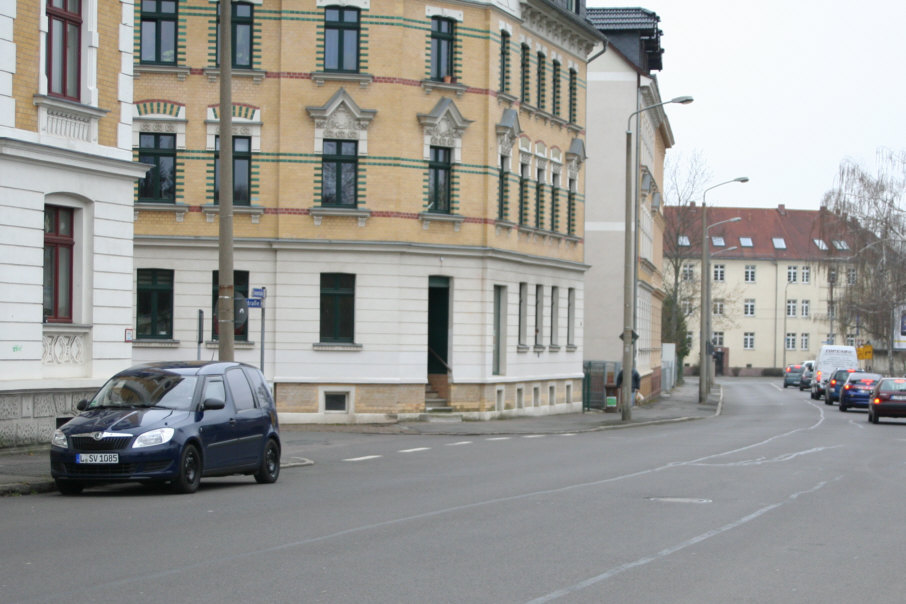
[(259, 292), (254, 302)]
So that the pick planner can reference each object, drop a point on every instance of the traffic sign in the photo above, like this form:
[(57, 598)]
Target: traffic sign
[(259, 292), (254, 302)]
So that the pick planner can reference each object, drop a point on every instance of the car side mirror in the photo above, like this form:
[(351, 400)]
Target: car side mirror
[(213, 404), (82, 404)]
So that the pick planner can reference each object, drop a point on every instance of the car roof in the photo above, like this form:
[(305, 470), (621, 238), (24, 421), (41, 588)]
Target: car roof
[(183, 367)]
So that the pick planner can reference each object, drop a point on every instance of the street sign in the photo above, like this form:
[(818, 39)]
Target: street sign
[(259, 292), (254, 302)]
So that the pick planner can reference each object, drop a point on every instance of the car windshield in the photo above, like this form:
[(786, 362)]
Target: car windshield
[(147, 389)]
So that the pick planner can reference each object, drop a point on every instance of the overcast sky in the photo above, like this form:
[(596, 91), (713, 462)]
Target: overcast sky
[(784, 90)]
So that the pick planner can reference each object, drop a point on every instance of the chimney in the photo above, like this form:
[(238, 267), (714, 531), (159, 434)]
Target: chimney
[(782, 209), (691, 204)]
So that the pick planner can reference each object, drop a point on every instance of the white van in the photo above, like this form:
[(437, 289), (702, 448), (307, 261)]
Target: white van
[(829, 358)]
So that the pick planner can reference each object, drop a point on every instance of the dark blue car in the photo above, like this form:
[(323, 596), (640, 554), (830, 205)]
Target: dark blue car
[(856, 391), (835, 384), (170, 423)]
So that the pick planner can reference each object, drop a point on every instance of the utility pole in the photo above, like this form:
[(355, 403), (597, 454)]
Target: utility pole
[(226, 285)]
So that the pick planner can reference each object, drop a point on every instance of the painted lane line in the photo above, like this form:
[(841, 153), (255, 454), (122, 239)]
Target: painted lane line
[(572, 589), (499, 438), (460, 443), (416, 450), (367, 457), (533, 436)]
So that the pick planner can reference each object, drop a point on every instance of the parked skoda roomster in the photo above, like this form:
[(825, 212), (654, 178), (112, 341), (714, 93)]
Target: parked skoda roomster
[(170, 422)]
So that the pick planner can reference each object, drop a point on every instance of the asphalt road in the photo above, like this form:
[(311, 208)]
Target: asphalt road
[(778, 499)]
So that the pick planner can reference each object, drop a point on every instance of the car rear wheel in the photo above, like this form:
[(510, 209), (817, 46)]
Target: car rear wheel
[(189, 471), (842, 406), (872, 417), (270, 464), (68, 487)]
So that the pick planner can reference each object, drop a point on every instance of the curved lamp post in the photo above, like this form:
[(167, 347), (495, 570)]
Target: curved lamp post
[(704, 378), (629, 265)]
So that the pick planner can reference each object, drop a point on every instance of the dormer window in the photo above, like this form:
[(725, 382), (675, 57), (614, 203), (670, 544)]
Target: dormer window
[(683, 241), (779, 243), (820, 243), (840, 245), (717, 241), (745, 242)]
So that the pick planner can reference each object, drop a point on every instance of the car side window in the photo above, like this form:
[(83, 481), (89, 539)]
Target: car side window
[(260, 387), (239, 387), (213, 388)]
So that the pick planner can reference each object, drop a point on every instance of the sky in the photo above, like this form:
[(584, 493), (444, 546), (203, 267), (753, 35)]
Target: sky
[(784, 91)]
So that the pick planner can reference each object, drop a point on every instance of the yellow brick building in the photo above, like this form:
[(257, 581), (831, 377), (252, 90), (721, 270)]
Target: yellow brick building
[(408, 189)]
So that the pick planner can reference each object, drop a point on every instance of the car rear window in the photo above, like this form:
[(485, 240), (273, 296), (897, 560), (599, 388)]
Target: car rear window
[(898, 385)]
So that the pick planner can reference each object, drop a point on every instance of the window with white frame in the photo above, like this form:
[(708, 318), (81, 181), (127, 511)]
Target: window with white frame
[(792, 273), (745, 242), (688, 272), (750, 273), (850, 276), (805, 307), (719, 272), (717, 338), (791, 308), (683, 241), (806, 274), (850, 339), (749, 307), (803, 341), (748, 340), (717, 308), (790, 341)]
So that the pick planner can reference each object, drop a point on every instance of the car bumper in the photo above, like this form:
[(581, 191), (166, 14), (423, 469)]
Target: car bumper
[(855, 401), (894, 409), (157, 464)]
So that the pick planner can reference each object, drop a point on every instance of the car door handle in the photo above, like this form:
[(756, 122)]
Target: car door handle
[(232, 421)]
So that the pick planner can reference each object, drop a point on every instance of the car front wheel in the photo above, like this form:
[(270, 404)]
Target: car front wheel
[(270, 464), (189, 471)]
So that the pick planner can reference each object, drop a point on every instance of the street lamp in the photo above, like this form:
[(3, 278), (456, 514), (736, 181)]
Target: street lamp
[(629, 264), (705, 322)]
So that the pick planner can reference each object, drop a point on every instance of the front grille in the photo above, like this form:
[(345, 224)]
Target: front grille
[(85, 442), (112, 469)]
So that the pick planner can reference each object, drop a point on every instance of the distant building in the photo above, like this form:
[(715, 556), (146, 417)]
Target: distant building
[(620, 82), (66, 191), (409, 189), (773, 276)]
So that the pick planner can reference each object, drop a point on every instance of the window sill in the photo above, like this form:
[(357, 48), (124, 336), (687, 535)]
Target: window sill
[(363, 79), (428, 217), (538, 348), (179, 71), (68, 119), (211, 210), (360, 214), (507, 98), (151, 343), (336, 347), (178, 209), (504, 225), (257, 75), (554, 348), (522, 348), (455, 87), (239, 344)]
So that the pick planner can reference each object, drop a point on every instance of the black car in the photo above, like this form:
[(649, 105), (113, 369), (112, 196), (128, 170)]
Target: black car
[(170, 422), (805, 380), (888, 399)]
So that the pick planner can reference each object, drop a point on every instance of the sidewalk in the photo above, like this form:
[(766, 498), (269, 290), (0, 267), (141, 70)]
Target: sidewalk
[(27, 470)]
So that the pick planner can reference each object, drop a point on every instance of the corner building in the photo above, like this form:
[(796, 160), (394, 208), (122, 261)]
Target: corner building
[(408, 188), (66, 194)]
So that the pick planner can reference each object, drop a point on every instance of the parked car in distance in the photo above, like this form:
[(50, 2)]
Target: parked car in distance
[(805, 380), (835, 383), (857, 388), (792, 375), (888, 399), (829, 358), (170, 423)]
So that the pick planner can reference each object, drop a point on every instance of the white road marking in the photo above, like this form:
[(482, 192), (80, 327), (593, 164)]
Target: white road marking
[(460, 443), (367, 457), (499, 438), (533, 436), (416, 450)]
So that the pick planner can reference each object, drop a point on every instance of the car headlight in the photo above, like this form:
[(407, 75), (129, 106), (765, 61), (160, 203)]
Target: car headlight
[(59, 440), (153, 437)]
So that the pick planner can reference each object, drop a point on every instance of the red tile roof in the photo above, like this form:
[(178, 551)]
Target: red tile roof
[(798, 228)]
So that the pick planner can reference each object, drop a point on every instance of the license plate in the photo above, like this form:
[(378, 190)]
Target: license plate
[(98, 458), (898, 397)]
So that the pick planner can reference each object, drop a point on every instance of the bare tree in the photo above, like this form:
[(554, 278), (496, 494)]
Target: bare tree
[(868, 279), (685, 178)]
